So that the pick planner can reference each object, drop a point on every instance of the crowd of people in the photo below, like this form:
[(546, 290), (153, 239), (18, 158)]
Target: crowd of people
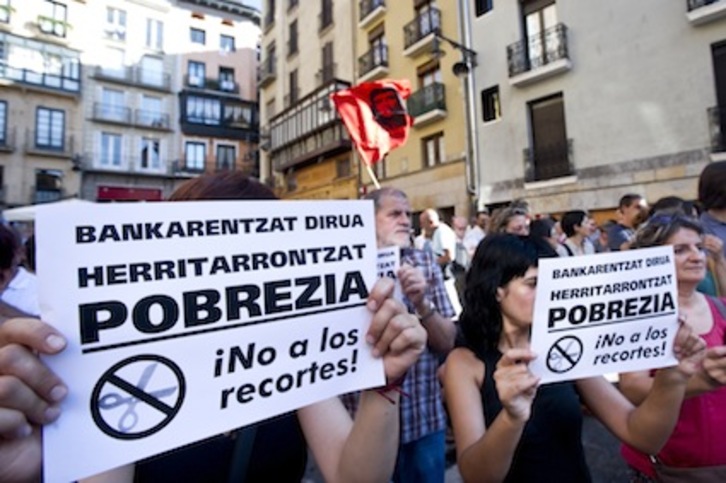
[(456, 349)]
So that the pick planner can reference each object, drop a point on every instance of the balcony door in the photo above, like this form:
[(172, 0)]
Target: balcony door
[(539, 17), (719, 71), (549, 138)]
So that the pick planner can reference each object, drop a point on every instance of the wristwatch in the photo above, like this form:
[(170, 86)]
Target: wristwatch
[(427, 312)]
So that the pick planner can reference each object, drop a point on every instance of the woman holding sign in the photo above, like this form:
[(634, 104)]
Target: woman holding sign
[(698, 443), (506, 427)]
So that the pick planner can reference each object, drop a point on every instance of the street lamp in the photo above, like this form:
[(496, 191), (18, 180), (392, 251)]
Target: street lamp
[(462, 67)]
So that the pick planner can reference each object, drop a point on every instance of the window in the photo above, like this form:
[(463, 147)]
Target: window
[(429, 74), (53, 19), (433, 150), (226, 79), (490, 107), (194, 154), (50, 128), (196, 72), (483, 6), (539, 17), (48, 185), (150, 154), (342, 168), (3, 123), (113, 105), (203, 110), (428, 17), (115, 23), (4, 11), (110, 149), (328, 70), (198, 36), (154, 34), (292, 39), (225, 156), (326, 13), (293, 94), (270, 13), (152, 71), (380, 169), (549, 154), (238, 115), (226, 43), (379, 48), (152, 112)]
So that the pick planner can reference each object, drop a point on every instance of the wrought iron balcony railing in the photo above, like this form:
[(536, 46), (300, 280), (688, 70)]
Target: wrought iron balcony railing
[(538, 50), (427, 99), (376, 57), (7, 140), (49, 143), (553, 161), (424, 24), (152, 119), (47, 80), (211, 83), (134, 76), (111, 113), (366, 7)]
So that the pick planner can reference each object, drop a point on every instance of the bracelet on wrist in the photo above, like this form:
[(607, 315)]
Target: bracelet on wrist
[(392, 386)]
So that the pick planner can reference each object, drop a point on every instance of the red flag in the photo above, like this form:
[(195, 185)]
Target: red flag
[(375, 116)]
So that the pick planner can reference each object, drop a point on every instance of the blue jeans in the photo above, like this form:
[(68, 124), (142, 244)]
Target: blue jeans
[(422, 461)]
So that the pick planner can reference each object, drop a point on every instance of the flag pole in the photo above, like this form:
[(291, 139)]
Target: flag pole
[(373, 175)]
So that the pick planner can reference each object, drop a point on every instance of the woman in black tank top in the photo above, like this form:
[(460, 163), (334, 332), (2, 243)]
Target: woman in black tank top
[(506, 427)]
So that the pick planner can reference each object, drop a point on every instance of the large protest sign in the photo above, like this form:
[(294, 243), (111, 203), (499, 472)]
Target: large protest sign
[(186, 320), (598, 314)]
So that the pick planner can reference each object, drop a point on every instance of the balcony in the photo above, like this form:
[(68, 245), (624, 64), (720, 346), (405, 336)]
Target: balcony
[(370, 11), (309, 130), (152, 120), (373, 64), (188, 165), (428, 104), (268, 70), (212, 84), (717, 128), (55, 82), (705, 11), (134, 76), (7, 141), (52, 147), (53, 26), (551, 162), (539, 57), (111, 113), (100, 162), (419, 34)]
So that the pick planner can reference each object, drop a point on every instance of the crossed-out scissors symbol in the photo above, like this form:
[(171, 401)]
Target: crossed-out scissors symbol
[(129, 418)]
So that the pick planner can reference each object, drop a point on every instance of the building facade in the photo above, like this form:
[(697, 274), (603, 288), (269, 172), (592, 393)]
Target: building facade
[(40, 100), (405, 40), (307, 54), (579, 104)]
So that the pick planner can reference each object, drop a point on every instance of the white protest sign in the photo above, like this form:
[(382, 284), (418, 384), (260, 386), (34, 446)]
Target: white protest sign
[(186, 320), (389, 261), (597, 314)]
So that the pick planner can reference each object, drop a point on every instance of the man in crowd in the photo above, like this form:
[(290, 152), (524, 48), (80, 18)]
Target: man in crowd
[(476, 232), (632, 211), (423, 420), (443, 245)]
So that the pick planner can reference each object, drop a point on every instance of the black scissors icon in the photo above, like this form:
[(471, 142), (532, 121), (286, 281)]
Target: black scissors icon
[(129, 418)]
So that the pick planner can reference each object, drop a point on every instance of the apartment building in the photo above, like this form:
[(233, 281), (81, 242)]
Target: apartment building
[(40, 100), (406, 40), (581, 102), (307, 53), (218, 106)]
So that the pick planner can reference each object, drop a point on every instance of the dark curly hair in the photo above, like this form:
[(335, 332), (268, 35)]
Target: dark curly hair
[(498, 259)]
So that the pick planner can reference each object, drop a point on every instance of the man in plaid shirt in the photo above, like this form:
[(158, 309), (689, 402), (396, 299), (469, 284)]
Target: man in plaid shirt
[(421, 455)]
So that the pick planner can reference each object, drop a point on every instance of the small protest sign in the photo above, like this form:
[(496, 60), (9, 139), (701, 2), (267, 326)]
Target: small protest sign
[(389, 261), (605, 313), (224, 312)]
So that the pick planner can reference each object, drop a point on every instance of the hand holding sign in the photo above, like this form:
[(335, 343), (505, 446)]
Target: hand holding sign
[(31, 399), (413, 283), (516, 385), (690, 350)]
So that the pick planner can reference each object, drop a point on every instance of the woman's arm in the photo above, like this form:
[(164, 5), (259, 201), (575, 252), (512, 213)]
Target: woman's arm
[(648, 426), (365, 449), (485, 454)]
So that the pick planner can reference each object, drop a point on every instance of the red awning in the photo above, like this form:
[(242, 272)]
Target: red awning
[(123, 193)]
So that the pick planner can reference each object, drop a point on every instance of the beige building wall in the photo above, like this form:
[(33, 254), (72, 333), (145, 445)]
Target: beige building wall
[(442, 184), (38, 74), (636, 82)]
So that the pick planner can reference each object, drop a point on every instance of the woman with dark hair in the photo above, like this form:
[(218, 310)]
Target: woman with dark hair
[(699, 439), (578, 228), (507, 428)]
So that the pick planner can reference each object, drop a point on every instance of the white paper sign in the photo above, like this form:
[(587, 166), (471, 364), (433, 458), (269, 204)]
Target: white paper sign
[(389, 261), (186, 320), (597, 314)]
